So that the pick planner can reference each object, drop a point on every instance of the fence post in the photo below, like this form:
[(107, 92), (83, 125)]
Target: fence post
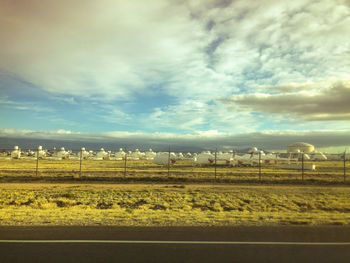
[(302, 166), (344, 166), (216, 150), (169, 162), (125, 160), (116, 168), (259, 165), (37, 162), (233, 161), (81, 158), (276, 158)]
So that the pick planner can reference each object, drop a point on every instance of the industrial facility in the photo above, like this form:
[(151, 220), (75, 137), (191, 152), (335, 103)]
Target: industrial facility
[(295, 152), (302, 147)]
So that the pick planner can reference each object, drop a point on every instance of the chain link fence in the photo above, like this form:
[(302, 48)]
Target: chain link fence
[(211, 166)]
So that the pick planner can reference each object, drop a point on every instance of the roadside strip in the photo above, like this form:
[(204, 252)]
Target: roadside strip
[(182, 242)]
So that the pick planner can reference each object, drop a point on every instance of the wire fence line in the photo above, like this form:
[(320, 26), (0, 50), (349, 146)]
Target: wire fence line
[(211, 166)]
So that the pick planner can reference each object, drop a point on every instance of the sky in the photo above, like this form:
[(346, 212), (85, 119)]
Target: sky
[(222, 71)]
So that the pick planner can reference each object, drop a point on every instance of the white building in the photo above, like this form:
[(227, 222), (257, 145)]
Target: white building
[(302, 147)]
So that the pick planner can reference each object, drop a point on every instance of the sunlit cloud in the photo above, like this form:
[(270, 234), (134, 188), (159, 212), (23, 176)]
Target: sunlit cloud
[(174, 66), (327, 103), (24, 106)]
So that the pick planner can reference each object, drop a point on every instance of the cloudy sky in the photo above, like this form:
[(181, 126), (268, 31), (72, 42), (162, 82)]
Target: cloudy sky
[(176, 69)]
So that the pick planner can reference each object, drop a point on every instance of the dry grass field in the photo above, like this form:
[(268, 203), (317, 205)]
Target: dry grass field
[(181, 171), (172, 204), (189, 195)]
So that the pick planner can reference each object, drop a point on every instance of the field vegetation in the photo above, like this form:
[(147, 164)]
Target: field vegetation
[(172, 205), (181, 171)]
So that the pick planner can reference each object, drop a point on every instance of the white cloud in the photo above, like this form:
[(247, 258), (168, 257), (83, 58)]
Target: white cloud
[(109, 50), (24, 106), (194, 51), (62, 131), (114, 115), (112, 49), (192, 115), (10, 132), (326, 103)]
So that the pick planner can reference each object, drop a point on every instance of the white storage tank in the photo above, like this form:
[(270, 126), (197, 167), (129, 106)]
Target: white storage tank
[(101, 155), (40, 153), (150, 155), (62, 153), (120, 155), (163, 158), (204, 158), (300, 147), (136, 155), (16, 153), (84, 153)]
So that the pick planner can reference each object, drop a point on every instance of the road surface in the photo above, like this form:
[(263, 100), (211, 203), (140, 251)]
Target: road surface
[(175, 244)]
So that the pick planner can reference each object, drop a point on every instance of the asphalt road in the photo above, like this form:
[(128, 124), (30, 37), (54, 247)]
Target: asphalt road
[(175, 244)]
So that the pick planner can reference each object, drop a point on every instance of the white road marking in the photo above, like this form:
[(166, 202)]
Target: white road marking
[(182, 242)]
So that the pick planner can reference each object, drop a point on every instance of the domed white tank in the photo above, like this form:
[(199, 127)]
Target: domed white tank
[(188, 155), (16, 153), (84, 153), (180, 156), (62, 153), (150, 154), (224, 158), (317, 156), (303, 147), (120, 155), (253, 150), (136, 155), (41, 152), (163, 158), (101, 154), (204, 158)]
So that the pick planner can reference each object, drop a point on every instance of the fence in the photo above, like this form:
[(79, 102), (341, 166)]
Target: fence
[(242, 168)]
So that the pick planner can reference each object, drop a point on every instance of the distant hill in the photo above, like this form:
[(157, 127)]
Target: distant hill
[(24, 143), (113, 145)]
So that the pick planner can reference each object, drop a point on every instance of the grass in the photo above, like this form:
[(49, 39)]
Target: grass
[(172, 205), (327, 172)]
